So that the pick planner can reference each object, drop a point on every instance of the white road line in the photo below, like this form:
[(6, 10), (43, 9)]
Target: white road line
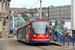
[(14, 46)]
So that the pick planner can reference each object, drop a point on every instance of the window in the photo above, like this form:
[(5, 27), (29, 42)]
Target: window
[(40, 27)]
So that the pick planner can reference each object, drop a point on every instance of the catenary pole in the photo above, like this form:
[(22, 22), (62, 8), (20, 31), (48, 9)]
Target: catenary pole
[(40, 9), (48, 13), (73, 19)]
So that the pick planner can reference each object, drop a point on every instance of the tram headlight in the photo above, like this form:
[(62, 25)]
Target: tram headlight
[(34, 35), (47, 35)]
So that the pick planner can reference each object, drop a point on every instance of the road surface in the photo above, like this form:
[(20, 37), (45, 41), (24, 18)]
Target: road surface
[(14, 44)]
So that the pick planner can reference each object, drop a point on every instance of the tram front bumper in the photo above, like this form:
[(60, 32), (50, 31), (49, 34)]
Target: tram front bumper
[(37, 41)]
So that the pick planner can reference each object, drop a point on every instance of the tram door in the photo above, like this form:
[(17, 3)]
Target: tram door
[(27, 32)]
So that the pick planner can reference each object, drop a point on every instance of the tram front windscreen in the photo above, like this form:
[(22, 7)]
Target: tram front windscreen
[(40, 27)]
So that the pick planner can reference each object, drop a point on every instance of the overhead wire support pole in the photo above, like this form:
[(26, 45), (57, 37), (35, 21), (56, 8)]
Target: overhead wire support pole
[(48, 13), (73, 19), (40, 9), (71, 14)]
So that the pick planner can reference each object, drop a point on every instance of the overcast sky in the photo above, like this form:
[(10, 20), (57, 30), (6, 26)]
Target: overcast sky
[(45, 3)]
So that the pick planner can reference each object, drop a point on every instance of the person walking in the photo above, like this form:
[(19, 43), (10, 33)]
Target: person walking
[(55, 35), (51, 34), (53, 29), (67, 34), (70, 35)]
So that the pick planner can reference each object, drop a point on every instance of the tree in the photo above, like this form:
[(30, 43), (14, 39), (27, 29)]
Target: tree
[(55, 22), (26, 18), (35, 8), (10, 11), (44, 8)]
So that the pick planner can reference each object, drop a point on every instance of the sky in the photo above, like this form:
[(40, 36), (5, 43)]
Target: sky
[(45, 3)]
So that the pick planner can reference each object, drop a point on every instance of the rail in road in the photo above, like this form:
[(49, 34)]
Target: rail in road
[(1, 42), (14, 44)]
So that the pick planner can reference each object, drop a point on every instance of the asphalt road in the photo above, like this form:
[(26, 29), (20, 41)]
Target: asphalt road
[(14, 44)]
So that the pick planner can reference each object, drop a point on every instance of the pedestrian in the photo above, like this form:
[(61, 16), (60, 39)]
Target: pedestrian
[(67, 34), (51, 34), (70, 35), (61, 35), (53, 29), (55, 32), (55, 35)]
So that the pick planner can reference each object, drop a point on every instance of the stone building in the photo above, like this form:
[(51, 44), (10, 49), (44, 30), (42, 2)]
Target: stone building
[(4, 18)]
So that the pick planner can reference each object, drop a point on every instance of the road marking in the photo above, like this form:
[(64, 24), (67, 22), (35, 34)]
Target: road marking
[(14, 45)]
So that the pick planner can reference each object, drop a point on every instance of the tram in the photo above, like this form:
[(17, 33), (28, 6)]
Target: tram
[(34, 31)]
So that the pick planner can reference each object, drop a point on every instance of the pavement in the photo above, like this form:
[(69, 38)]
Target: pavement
[(66, 44)]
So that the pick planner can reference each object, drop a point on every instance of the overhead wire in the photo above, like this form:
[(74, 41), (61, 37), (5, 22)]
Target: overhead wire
[(26, 5), (34, 4), (21, 4)]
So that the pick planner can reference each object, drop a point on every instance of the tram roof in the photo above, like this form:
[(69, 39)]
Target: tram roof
[(30, 20)]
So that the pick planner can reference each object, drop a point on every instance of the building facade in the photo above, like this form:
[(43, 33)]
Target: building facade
[(63, 12), (4, 18), (19, 10)]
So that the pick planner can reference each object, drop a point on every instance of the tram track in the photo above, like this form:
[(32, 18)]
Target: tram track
[(1, 48), (25, 45), (40, 47), (7, 45), (13, 45)]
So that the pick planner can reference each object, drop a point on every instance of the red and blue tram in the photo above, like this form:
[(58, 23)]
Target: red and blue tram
[(34, 31)]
